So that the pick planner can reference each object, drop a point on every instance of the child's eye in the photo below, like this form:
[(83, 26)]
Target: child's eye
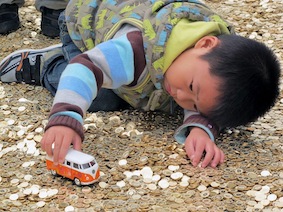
[(191, 86)]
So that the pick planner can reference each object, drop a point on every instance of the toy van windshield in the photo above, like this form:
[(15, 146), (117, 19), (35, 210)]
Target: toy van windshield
[(78, 166)]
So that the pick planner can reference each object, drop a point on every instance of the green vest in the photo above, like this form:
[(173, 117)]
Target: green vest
[(91, 22)]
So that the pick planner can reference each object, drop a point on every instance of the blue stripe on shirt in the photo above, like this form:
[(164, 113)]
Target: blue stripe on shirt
[(72, 114), (80, 79), (121, 69)]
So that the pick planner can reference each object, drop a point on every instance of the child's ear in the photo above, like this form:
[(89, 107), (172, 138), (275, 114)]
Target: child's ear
[(207, 42)]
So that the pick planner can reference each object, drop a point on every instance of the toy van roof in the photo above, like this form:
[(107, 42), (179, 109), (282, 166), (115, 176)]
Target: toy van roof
[(77, 157)]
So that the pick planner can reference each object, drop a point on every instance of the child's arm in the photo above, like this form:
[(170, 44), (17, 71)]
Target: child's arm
[(109, 64), (200, 139)]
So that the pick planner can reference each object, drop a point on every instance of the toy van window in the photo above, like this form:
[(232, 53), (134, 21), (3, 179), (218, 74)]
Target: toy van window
[(86, 165), (76, 165), (68, 163), (92, 163)]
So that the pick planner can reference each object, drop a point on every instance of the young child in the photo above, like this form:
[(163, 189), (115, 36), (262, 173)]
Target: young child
[(150, 54)]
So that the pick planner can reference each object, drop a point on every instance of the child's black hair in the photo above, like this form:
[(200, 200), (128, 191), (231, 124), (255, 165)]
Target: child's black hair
[(249, 72)]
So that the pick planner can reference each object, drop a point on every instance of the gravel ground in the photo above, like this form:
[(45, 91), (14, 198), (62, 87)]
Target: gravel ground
[(251, 179)]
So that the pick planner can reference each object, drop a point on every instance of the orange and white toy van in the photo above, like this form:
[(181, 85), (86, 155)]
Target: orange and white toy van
[(78, 166)]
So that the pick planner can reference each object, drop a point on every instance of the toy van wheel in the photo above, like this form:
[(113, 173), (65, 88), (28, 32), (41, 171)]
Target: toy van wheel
[(53, 172), (77, 181)]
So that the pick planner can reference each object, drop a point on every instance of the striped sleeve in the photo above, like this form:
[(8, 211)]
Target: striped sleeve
[(110, 64)]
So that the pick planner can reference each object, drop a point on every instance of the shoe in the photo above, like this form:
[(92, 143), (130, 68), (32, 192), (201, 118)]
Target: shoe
[(25, 65), (9, 18), (49, 22)]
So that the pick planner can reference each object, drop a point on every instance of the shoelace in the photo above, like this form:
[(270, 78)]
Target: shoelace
[(30, 74)]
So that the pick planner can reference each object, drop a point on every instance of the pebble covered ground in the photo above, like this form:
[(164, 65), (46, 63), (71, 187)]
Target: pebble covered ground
[(142, 167)]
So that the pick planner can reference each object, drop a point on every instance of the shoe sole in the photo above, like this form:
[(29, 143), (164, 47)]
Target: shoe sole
[(23, 53)]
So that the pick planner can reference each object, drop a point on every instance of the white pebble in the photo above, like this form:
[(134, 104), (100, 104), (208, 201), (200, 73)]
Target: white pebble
[(272, 197), (265, 189), (147, 180), (14, 181), (172, 183), (128, 174), (173, 168), (265, 173), (122, 162), (52, 192), (176, 175), (102, 184), (174, 156), (202, 188), (42, 194), (69, 209), (155, 178), (185, 178), (34, 190), (265, 202), (27, 191), (14, 197), (33, 34), (260, 196), (20, 133), (11, 122), (28, 177), (22, 108), (121, 184), (23, 185), (146, 172), (184, 183), (40, 204), (151, 186), (39, 130), (163, 183)]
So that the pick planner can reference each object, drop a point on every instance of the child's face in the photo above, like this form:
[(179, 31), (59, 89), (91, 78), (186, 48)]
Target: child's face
[(189, 82)]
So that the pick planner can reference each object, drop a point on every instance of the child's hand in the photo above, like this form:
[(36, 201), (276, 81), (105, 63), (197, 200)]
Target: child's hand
[(62, 137), (199, 142)]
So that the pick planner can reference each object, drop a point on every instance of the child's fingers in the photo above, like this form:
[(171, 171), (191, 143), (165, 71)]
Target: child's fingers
[(199, 149), (218, 158), (56, 151), (46, 143), (77, 144), (190, 149), (207, 159), (65, 145)]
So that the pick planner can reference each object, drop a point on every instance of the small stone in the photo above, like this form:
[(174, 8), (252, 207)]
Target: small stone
[(40, 204), (176, 175), (151, 186), (163, 183), (103, 185), (122, 162), (272, 197), (184, 183), (173, 168), (265, 173), (28, 177), (14, 197), (121, 184), (69, 209), (202, 188), (22, 108)]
